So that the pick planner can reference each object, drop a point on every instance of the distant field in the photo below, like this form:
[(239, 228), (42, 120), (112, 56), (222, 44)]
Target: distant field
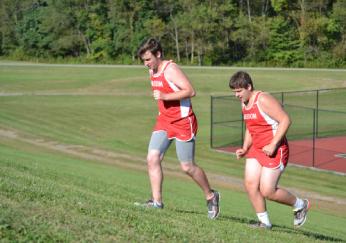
[(73, 141)]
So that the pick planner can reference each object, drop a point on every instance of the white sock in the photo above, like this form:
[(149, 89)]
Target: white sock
[(298, 204), (264, 218), (157, 203)]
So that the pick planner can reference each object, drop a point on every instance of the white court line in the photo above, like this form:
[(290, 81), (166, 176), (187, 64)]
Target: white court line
[(340, 155)]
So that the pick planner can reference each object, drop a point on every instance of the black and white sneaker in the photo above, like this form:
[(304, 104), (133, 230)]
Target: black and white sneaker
[(300, 214), (260, 225), (150, 204), (213, 206)]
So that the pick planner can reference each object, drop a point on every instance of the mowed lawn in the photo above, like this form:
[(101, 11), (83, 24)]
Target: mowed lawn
[(73, 142)]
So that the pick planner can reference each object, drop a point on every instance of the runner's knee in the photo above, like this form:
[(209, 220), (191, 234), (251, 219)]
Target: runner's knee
[(188, 168), (267, 192), (153, 158), (250, 186)]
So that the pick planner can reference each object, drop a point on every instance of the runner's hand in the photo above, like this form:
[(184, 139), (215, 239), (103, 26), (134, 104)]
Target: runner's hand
[(158, 95), (240, 153), (269, 149)]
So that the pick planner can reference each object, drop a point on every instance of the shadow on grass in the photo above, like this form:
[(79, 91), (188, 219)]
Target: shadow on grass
[(279, 228), (276, 228), (316, 236)]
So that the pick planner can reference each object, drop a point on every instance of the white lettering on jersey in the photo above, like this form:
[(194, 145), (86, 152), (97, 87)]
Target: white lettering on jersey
[(156, 84), (251, 116)]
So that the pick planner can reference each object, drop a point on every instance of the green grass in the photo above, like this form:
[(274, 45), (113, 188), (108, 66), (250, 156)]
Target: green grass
[(50, 197), (55, 186)]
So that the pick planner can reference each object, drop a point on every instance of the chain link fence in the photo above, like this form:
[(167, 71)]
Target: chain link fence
[(315, 114)]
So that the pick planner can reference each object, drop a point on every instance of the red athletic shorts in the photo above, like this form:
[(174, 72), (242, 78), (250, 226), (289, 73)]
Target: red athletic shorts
[(277, 160), (184, 129)]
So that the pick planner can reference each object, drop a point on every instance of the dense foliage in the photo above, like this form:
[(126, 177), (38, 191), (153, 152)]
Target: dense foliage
[(299, 33)]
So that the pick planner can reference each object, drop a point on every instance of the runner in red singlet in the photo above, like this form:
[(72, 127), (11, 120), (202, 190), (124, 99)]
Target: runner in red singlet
[(175, 121), (176, 117), (263, 129), (266, 150)]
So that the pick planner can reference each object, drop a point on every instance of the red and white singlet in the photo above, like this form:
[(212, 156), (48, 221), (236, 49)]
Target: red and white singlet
[(262, 129), (176, 117)]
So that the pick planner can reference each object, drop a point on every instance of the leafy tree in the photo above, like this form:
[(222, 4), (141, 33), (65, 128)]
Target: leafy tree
[(251, 37), (284, 46), (314, 35), (127, 19), (279, 5), (11, 12), (278, 32), (225, 20), (339, 21), (61, 22), (30, 37)]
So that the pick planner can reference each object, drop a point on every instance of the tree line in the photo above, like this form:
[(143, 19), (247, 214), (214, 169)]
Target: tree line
[(296, 33)]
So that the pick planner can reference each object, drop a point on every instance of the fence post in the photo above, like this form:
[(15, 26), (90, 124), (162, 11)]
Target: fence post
[(313, 138), (211, 122), (317, 108)]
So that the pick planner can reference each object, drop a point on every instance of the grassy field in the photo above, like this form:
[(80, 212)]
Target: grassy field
[(73, 142)]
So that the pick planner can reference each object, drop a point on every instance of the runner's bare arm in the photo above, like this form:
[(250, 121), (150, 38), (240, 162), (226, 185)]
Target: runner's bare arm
[(174, 74), (246, 145)]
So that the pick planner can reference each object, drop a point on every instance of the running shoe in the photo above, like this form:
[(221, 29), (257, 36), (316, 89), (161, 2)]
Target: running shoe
[(150, 204), (213, 205), (260, 225), (300, 214)]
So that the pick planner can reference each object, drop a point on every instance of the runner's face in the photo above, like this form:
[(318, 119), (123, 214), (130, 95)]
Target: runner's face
[(242, 94), (150, 60)]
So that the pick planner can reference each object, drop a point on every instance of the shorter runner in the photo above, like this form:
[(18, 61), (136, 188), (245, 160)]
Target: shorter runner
[(266, 149)]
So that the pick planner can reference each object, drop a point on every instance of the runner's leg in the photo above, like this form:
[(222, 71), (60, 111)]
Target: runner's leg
[(159, 143), (186, 155), (252, 182), (269, 189)]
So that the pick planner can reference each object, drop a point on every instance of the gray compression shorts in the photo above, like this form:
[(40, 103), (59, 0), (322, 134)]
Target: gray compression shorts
[(185, 149)]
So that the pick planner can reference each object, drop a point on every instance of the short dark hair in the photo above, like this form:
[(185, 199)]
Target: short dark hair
[(151, 45), (241, 79)]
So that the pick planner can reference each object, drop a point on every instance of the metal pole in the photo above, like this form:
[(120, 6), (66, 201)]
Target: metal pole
[(313, 138), (317, 108), (211, 122)]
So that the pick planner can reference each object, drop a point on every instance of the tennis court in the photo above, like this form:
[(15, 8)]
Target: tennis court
[(329, 153)]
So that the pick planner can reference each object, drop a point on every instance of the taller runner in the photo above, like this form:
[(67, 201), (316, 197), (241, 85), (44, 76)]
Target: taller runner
[(175, 121), (266, 149)]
